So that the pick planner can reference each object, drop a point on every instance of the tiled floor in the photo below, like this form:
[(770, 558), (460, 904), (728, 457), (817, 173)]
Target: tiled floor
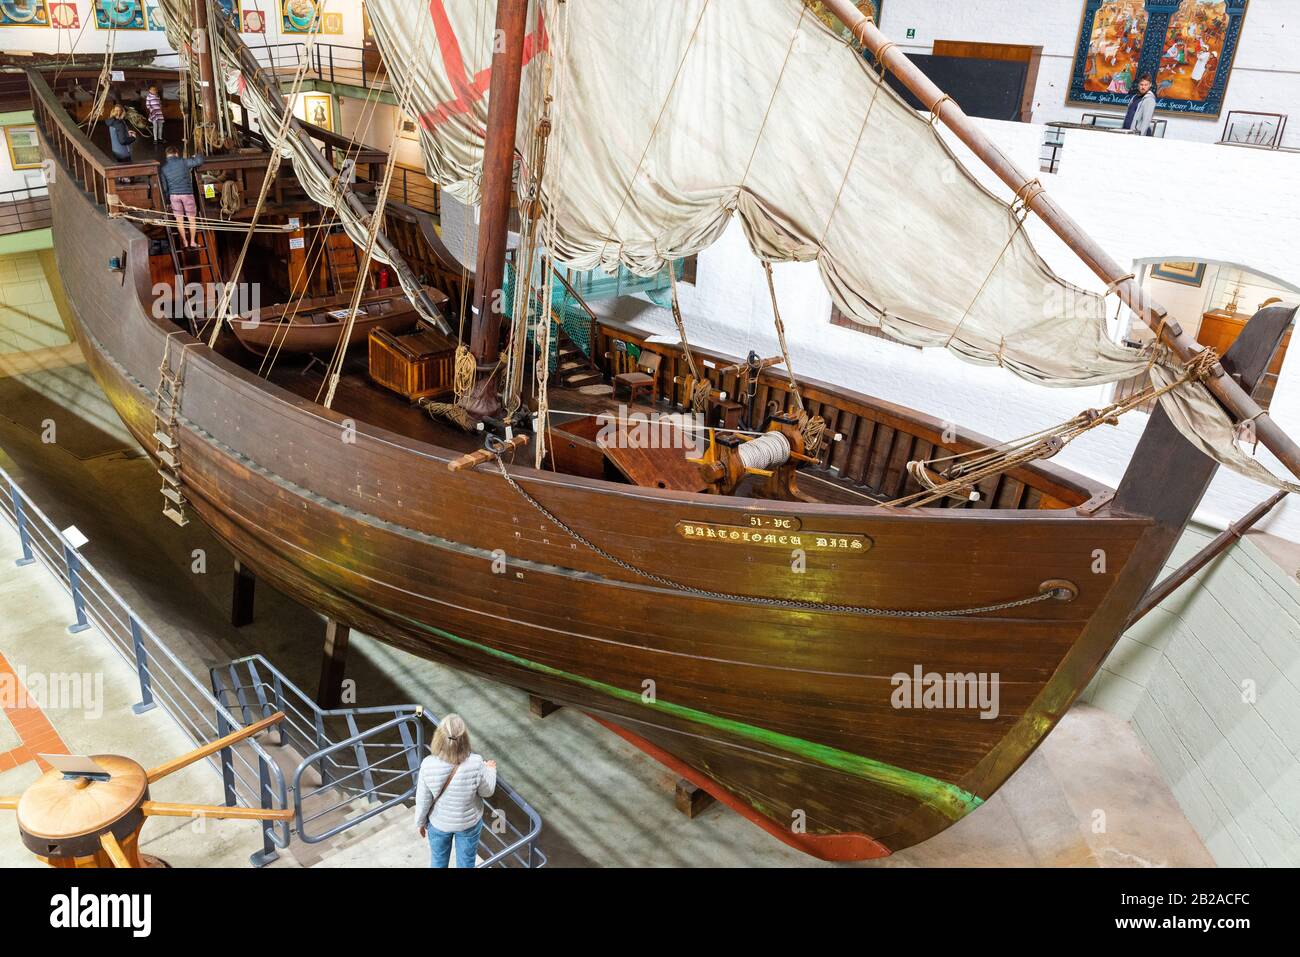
[(32, 727)]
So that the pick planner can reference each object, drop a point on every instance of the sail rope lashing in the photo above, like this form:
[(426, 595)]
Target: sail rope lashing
[(329, 217), (963, 471), (1056, 593), (663, 110), (1019, 211), (526, 259), (701, 386), (275, 145), (335, 370), (553, 107), (542, 370), (103, 84), (813, 428)]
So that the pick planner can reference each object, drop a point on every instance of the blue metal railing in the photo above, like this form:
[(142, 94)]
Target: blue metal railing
[(251, 778), (379, 763)]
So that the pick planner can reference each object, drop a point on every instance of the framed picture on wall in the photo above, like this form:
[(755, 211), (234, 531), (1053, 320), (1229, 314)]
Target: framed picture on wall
[(1187, 273), (1187, 46), (252, 20), (300, 16), (24, 147), (318, 110), (120, 15), (24, 13), (407, 129)]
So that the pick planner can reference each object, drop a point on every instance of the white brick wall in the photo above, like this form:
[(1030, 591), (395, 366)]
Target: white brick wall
[(1182, 675), (1264, 77)]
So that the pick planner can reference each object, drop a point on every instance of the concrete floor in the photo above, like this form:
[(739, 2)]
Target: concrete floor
[(1088, 797)]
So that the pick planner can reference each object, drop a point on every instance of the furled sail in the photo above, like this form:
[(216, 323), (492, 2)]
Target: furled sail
[(269, 109)]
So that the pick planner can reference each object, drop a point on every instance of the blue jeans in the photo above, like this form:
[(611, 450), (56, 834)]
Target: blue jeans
[(466, 845)]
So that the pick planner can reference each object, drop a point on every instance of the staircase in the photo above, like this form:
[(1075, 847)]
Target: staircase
[(350, 775), (573, 367), (166, 407)]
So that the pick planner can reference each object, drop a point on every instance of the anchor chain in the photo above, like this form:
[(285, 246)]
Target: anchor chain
[(1058, 594)]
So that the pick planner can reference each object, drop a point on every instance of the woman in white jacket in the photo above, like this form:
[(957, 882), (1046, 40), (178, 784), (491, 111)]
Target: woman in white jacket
[(449, 794)]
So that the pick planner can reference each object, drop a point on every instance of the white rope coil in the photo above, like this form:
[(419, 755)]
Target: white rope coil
[(768, 451)]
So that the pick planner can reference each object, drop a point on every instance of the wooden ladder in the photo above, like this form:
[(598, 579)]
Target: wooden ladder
[(166, 406)]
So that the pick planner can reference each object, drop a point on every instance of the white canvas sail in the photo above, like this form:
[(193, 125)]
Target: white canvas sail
[(669, 119)]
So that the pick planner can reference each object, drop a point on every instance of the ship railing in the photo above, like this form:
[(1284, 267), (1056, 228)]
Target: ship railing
[(336, 63), (358, 762), (251, 777), (81, 158), (25, 209)]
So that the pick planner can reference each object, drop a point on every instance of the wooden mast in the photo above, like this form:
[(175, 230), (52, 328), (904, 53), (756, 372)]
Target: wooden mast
[(207, 78), (1227, 390), (494, 210)]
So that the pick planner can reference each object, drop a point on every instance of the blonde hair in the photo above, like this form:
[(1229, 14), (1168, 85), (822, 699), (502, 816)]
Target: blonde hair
[(451, 740), (117, 112)]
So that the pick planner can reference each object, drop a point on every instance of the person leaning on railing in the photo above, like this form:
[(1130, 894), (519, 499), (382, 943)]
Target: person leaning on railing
[(449, 794)]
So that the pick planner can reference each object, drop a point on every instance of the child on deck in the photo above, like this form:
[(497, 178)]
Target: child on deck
[(153, 104)]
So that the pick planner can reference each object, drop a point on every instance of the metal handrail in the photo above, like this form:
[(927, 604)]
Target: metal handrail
[(300, 823), (163, 679), (520, 847)]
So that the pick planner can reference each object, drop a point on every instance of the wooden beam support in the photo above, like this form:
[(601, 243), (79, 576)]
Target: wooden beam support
[(241, 597), (166, 809), (114, 851), (691, 799), (1227, 390), (539, 707), (333, 664)]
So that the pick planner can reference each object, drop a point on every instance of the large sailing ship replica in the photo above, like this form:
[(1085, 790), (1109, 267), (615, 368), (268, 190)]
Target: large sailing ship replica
[(408, 465)]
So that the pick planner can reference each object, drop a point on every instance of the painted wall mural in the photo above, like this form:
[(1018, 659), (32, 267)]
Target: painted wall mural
[(300, 16), (1187, 45), (24, 13), (120, 15)]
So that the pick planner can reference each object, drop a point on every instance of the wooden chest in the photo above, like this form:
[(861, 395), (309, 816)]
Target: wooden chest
[(416, 365)]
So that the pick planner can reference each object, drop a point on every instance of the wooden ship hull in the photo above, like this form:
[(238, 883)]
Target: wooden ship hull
[(786, 713), (773, 687)]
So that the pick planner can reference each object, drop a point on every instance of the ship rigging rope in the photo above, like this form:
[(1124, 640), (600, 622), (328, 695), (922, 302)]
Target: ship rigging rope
[(335, 370), (497, 446), (812, 427), (969, 468), (320, 249), (701, 387), (273, 166), (103, 84)]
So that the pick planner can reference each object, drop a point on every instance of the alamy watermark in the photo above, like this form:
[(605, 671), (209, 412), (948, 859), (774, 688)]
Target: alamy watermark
[(54, 691), (930, 690), (177, 300), (655, 430)]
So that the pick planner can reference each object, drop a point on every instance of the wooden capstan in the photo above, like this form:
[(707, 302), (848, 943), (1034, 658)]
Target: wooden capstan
[(93, 818), (774, 455)]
